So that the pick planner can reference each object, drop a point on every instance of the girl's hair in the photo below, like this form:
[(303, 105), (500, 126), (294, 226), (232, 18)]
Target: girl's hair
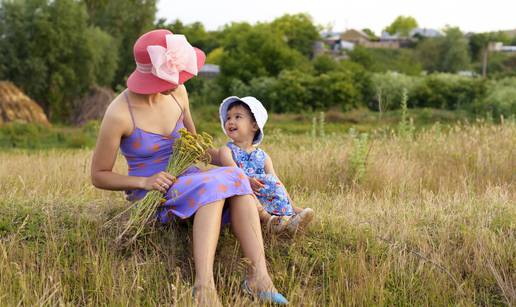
[(239, 103)]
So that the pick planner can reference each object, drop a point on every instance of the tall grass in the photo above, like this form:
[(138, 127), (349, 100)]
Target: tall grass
[(431, 222)]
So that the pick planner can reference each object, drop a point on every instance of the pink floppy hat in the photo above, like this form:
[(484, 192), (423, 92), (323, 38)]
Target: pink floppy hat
[(163, 62)]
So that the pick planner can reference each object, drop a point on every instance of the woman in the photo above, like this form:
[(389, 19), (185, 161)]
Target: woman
[(143, 123)]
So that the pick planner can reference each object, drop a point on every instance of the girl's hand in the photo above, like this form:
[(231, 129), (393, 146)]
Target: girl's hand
[(256, 185), (161, 181)]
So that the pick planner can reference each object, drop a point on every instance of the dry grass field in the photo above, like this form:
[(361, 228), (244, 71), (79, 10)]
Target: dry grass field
[(422, 219)]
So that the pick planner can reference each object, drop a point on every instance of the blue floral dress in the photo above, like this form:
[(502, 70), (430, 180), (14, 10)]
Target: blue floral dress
[(273, 195)]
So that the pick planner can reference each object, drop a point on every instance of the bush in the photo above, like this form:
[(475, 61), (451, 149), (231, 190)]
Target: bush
[(389, 88), (204, 91), (499, 100), (447, 91), (382, 60), (34, 136)]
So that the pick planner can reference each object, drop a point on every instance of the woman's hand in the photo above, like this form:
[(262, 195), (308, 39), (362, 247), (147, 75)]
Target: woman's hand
[(256, 185), (161, 181)]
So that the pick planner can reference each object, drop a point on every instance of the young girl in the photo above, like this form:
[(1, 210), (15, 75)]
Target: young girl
[(242, 120)]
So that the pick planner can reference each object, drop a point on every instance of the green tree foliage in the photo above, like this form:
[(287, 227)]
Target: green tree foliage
[(324, 63), (499, 100), (447, 91), (479, 41), (445, 54), (389, 87), (345, 86), (47, 49), (383, 60), (195, 33), (402, 25), (215, 56), (299, 32), (499, 65), (125, 21), (255, 51), (370, 33)]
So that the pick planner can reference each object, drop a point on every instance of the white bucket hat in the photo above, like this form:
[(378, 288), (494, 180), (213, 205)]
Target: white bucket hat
[(259, 112)]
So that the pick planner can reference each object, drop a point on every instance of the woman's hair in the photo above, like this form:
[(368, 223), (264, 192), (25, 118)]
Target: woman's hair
[(239, 103)]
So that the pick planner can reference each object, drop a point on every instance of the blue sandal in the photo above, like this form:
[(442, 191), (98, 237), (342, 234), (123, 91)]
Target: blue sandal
[(265, 296)]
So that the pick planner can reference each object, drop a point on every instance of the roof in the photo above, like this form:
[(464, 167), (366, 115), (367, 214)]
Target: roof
[(425, 32), (210, 68)]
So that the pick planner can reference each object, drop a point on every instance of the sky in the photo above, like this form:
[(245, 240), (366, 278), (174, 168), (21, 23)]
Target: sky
[(468, 15)]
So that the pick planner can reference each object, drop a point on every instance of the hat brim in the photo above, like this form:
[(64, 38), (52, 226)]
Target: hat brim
[(147, 83)]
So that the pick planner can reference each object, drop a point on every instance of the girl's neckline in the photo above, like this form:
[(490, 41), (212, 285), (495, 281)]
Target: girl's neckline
[(247, 152)]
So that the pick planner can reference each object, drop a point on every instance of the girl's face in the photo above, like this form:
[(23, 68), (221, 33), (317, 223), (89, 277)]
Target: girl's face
[(239, 124)]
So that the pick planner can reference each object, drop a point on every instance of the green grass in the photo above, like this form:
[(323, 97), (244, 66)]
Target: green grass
[(31, 136)]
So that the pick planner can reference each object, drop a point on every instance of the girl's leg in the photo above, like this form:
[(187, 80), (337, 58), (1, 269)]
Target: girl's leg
[(246, 226), (262, 213), (297, 209), (206, 229)]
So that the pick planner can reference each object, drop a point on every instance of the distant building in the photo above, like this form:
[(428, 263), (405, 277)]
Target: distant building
[(424, 32), (209, 71), (355, 36), (508, 49), (499, 47)]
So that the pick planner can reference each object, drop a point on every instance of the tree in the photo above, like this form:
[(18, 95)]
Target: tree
[(402, 25), (125, 21), (195, 33), (299, 32), (370, 33), (48, 50), (455, 52), (478, 42), (255, 51), (445, 54)]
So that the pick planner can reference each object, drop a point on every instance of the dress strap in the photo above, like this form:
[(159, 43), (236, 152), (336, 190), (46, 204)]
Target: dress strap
[(180, 108), (130, 109)]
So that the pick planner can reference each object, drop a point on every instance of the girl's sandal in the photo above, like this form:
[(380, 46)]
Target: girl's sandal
[(276, 224)]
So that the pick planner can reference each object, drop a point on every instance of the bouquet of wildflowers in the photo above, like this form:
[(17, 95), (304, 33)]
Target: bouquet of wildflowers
[(188, 149)]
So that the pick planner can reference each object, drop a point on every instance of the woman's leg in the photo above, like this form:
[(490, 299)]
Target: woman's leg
[(262, 213), (246, 226), (206, 229)]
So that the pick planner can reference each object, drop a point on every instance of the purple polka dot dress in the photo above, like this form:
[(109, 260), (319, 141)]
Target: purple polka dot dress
[(148, 153)]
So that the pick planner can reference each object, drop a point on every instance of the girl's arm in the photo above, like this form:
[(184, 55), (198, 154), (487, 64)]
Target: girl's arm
[(114, 126)]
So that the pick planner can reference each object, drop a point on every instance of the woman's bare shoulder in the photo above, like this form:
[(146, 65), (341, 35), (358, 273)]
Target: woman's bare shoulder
[(117, 114), (181, 94)]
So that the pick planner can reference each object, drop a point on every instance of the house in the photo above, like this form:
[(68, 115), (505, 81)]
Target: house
[(499, 47), (424, 33), (209, 71), (356, 37)]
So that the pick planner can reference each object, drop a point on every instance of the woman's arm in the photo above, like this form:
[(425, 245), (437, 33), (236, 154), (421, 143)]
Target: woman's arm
[(113, 127), (225, 157), (182, 96)]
